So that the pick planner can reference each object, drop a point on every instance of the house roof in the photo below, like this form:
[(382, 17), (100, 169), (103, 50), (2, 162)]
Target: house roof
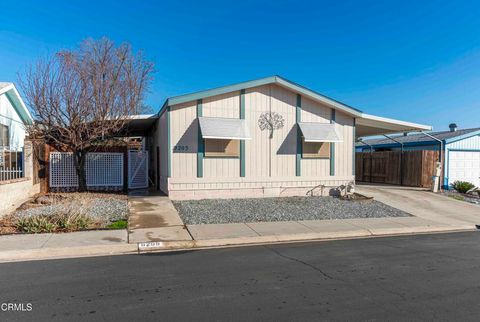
[(366, 124), (421, 138), (259, 82), (16, 100)]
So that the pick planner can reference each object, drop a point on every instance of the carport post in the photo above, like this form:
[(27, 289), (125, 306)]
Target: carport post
[(440, 155), (401, 157)]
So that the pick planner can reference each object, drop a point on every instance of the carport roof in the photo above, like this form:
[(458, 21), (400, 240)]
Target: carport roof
[(420, 138)]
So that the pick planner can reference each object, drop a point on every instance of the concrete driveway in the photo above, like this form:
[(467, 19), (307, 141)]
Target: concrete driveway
[(424, 204)]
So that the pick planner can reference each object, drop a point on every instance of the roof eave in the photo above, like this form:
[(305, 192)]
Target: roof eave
[(259, 82), (462, 137), (16, 100)]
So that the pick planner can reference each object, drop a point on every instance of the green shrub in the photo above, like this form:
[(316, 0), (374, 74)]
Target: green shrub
[(72, 222), (462, 186), (120, 224), (35, 224)]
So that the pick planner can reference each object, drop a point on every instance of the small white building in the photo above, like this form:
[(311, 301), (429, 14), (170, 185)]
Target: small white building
[(16, 159), (14, 115), (266, 137)]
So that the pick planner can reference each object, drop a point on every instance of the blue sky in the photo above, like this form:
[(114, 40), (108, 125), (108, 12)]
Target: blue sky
[(413, 60)]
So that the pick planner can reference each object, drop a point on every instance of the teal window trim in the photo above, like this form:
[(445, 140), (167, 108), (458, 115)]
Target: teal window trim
[(242, 142), (332, 148), (200, 142), (298, 118), (169, 144)]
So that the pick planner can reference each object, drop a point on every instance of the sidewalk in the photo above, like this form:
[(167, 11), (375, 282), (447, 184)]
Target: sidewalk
[(220, 235), (64, 245), (155, 225)]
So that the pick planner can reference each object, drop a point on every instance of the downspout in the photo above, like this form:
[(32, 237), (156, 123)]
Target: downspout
[(440, 156), (401, 156)]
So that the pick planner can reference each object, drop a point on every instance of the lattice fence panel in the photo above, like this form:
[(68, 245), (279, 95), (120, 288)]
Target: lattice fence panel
[(102, 170), (62, 170)]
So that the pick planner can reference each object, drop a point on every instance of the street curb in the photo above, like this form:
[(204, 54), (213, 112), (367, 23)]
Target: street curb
[(149, 247), (167, 246)]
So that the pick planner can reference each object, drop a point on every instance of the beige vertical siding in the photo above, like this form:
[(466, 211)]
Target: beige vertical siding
[(344, 150), (226, 105), (257, 161), (184, 130), (283, 144), (315, 112)]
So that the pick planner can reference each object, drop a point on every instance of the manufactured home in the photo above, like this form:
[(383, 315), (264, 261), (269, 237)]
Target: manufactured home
[(261, 138)]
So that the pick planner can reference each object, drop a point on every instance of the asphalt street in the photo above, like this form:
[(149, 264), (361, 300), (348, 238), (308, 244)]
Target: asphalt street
[(423, 277)]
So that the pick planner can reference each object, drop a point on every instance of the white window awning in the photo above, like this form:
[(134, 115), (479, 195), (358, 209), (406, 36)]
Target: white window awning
[(223, 128), (320, 132)]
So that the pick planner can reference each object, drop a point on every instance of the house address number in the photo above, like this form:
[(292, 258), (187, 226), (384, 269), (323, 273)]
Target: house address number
[(180, 148)]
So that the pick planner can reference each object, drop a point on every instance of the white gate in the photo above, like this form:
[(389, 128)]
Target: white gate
[(137, 169)]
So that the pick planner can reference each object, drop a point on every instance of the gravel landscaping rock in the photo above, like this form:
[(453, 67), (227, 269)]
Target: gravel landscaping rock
[(218, 211), (472, 198), (100, 209)]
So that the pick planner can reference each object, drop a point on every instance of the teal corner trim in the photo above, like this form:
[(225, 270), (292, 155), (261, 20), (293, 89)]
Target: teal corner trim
[(332, 148), (200, 143), (353, 153), (242, 142), (169, 145), (298, 115)]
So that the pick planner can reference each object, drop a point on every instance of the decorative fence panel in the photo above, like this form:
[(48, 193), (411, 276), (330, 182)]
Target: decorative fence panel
[(102, 170)]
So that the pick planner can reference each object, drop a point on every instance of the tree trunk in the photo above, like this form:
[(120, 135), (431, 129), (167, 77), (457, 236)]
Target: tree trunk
[(79, 160)]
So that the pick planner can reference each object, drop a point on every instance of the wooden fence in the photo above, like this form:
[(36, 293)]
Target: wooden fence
[(412, 168)]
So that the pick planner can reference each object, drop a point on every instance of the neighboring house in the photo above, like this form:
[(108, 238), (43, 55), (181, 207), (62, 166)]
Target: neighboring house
[(14, 115), (16, 183), (461, 150), (267, 137)]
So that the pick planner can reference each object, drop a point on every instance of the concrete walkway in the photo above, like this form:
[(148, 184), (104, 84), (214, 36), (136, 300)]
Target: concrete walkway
[(154, 218), (425, 204)]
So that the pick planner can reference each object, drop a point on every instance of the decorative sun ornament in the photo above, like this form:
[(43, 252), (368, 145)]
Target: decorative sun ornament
[(270, 121)]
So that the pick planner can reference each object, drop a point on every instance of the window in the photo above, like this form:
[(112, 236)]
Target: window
[(222, 148), (4, 135), (316, 150)]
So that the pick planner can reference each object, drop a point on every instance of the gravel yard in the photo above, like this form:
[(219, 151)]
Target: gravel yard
[(67, 212), (217, 211)]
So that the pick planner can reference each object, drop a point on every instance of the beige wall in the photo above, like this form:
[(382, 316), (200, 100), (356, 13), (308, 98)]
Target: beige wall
[(270, 163), (14, 192)]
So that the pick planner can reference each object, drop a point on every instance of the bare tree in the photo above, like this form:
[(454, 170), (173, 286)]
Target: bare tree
[(83, 97)]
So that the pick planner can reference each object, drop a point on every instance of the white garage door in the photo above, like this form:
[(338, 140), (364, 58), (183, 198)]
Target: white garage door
[(464, 166)]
